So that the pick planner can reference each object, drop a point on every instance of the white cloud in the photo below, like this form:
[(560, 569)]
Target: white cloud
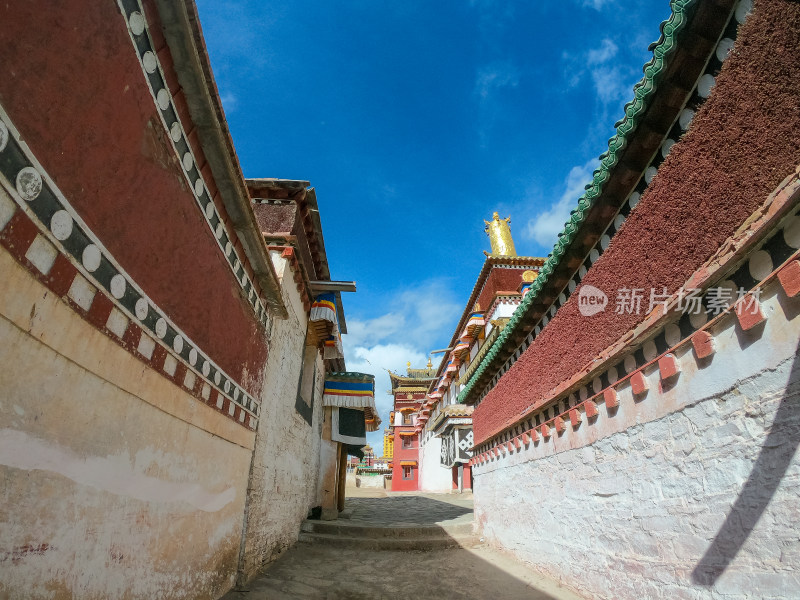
[(596, 4), (545, 226), (418, 319), (607, 50), (229, 101), (495, 76)]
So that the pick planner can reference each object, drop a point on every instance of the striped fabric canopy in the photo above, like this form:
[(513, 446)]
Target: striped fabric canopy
[(349, 389), (324, 308), (474, 325), (333, 346), (461, 348)]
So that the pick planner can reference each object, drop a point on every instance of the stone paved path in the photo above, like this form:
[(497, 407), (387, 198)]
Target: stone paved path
[(322, 572), (409, 510)]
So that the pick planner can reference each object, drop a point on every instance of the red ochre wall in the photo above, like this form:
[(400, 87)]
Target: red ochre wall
[(73, 86), (499, 280), (742, 143), (398, 483)]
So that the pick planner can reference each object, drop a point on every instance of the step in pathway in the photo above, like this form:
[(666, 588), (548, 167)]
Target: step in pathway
[(420, 522), (402, 545)]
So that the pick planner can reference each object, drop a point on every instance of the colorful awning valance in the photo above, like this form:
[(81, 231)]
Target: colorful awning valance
[(406, 433), (333, 346), (408, 463), (406, 409), (474, 325), (324, 308), (461, 349), (349, 389)]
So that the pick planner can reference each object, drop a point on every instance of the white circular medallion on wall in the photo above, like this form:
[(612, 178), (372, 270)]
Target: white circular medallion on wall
[(162, 97), (605, 241), (593, 256), (672, 333), (198, 187), (219, 230), (177, 343), (666, 147), (724, 48), (705, 85), (210, 210), (61, 225), (91, 258), (217, 377), (685, 118), (188, 161), (791, 232), (227, 386), (630, 364), (206, 368), (150, 63), (29, 184), (613, 375), (117, 286), (650, 174), (618, 221), (650, 350), (743, 9), (633, 199), (760, 265), (3, 136), (193, 357), (175, 132), (141, 309), (136, 21), (161, 328), (698, 318), (597, 385)]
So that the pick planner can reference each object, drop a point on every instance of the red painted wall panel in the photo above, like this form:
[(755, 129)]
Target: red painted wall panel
[(499, 280), (71, 82), (742, 143)]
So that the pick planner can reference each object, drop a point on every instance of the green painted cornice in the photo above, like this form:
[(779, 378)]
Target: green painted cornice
[(643, 93)]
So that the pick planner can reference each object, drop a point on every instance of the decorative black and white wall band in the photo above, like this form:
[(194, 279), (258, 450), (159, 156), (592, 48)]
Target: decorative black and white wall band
[(136, 24), (62, 231)]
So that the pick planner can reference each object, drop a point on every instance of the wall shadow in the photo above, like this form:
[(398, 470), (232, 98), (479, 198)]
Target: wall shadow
[(774, 459)]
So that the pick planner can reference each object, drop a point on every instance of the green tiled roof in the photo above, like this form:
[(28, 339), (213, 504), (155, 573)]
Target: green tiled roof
[(634, 111)]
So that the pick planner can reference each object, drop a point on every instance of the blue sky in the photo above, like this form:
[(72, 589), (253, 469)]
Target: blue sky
[(416, 120)]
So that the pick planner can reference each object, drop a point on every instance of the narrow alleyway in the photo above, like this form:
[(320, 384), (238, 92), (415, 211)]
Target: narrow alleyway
[(397, 545)]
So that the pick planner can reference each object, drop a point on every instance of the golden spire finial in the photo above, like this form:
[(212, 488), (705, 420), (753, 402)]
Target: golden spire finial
[(500, 236), (430, 364)]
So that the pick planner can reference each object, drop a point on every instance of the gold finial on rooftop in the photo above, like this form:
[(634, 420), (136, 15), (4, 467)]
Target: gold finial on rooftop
[(500, 236), (430, 363)]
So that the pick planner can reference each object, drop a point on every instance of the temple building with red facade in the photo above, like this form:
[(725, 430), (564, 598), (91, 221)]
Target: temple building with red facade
[(433, 433), (636, 422), (409, 393), (444, 427)]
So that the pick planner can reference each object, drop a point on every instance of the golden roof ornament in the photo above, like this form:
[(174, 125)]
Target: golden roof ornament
[(500, 236), (528, 276), (430, 364)]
